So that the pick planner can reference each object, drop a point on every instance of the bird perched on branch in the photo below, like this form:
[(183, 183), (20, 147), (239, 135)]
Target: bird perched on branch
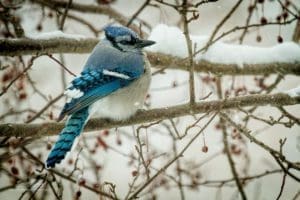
[(113, 83)]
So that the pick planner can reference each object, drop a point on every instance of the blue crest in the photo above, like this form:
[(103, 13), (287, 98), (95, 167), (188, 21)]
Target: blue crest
[(117, 31)]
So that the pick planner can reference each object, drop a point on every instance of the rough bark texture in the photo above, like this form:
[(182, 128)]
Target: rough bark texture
[(52, 128)]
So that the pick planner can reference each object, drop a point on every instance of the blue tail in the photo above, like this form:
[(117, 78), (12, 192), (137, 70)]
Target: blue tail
[(67, 136)]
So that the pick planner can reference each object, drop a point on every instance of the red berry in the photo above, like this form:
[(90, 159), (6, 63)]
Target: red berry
[(98, 167), (14, 170), (93, 151), (258, 38), (70, 161), (285, 15), (39, 27), (218, 126), (287, 3), (50, 14), (251, 8), (81, 182), (174, 84), (105, 132), (49, 146), (279, 39), (205, 149), (278, 18), (78, 193), (235, 149), (134, 173), (263, 20), (7, 77), (22, 96), (51, 115), (119, 141)]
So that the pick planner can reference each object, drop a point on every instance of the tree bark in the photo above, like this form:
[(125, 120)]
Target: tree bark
[(53, 128)]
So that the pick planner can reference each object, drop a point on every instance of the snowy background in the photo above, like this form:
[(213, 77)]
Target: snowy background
[(170, 40)]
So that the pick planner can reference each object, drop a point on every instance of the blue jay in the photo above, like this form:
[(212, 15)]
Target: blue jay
[(113, 83)]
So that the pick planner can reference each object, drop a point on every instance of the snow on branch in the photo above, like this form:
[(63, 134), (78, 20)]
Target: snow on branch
[(29, 46), (295, 92), (171, 41), (52, 128), (56, 34)]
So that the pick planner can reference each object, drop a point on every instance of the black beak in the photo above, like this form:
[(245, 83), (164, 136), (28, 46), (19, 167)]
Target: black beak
[(145, 43)]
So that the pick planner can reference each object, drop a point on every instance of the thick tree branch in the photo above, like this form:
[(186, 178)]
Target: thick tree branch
[(26, 46), (84, 8), (52, 128)]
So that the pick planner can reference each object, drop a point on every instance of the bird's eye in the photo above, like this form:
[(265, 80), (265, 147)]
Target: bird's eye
[(124, 42), (128, 42)]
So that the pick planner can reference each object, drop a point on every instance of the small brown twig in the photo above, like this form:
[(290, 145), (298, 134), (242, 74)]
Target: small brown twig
[(221, 23), (168, 164), (39, 113), (60, 64), (190, 54), (282, 186), (135, 15), (30, 63)]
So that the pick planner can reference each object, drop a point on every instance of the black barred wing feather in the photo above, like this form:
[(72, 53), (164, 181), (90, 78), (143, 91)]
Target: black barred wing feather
[(93, 85)]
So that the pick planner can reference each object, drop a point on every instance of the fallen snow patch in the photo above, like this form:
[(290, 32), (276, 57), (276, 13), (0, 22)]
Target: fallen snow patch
[(56, 34), (171, 40)]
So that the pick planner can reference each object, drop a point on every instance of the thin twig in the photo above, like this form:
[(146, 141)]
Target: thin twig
[(60, 64), (190, 53), (30, 63), (50, 103), (166, 166), (138, 12), (282, 186)]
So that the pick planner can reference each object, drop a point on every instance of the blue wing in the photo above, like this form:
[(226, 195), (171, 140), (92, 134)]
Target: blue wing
[(93, 85)]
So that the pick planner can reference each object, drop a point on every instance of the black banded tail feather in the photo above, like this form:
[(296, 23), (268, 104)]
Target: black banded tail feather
[(67, 136)]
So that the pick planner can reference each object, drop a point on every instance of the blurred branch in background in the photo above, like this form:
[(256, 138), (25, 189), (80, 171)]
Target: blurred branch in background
[(97, 9)]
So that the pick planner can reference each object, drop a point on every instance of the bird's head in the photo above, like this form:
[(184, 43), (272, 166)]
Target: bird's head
[(125, 39)]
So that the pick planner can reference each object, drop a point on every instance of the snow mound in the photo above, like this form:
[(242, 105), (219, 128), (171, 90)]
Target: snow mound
[(55, 34), (171, 40)]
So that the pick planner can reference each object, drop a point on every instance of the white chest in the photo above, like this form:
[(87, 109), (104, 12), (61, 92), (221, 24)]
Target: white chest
[(123, 103)]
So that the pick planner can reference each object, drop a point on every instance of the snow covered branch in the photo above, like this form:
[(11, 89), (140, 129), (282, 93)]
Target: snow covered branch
[(66, 44), (52, 128)]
